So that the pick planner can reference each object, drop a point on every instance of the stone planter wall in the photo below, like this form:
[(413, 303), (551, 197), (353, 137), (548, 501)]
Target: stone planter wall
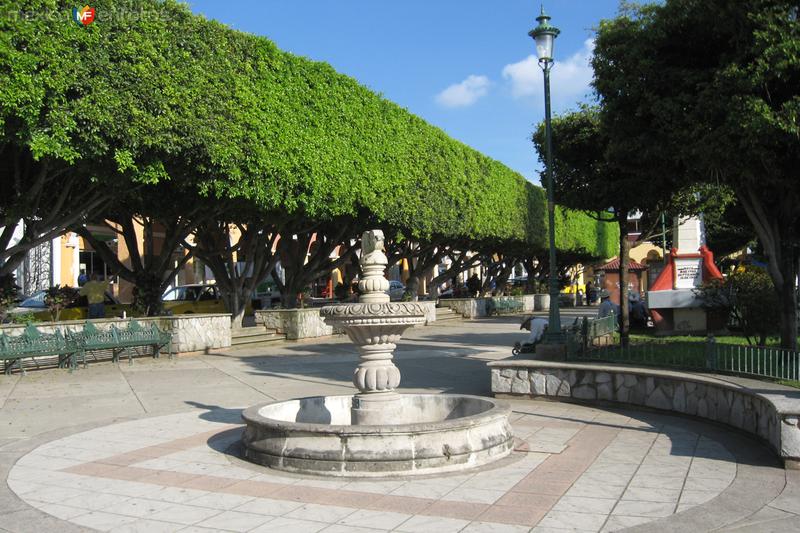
[(295, 323), (468, 307), (541, 302), (528, 302), (766, 410), (430, 310), (190, 333), (476, 307)]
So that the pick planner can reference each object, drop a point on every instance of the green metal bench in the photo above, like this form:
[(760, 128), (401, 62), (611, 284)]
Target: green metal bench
[(34, 343), (120, 340), (498, 306)]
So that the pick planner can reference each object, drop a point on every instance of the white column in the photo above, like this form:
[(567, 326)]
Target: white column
[(55, 263)]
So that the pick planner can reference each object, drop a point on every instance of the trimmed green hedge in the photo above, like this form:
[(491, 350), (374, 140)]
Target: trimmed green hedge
[(231, 115)]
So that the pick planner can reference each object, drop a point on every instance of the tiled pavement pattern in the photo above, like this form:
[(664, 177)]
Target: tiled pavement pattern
[(180, 473), (164, 464)]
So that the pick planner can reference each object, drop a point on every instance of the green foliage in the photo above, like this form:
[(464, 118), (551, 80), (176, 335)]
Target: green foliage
[(708, 91), (755, 303), (57, 298), (22, 318), (322, 146), (749, 296), (174, 98), (715, 295), (9, 292)]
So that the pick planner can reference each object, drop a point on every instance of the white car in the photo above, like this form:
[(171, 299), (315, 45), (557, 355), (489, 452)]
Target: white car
[(396, 290)]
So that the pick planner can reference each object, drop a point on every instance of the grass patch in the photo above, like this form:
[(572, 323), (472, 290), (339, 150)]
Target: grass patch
[(722, 339)]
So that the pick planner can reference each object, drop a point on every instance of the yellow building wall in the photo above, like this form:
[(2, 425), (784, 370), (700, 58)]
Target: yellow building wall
[(644, 253), (70, 253)]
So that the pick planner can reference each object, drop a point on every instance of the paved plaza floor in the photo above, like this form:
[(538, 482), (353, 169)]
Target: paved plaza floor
[(155, 447)]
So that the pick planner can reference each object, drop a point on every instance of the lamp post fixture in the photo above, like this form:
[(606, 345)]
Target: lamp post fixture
[(544, 35)]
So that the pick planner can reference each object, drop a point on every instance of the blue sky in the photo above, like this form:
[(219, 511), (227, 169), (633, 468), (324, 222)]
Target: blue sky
[(465, 66)]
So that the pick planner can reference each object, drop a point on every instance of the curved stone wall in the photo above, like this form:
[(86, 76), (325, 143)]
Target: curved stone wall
[(764, 409)]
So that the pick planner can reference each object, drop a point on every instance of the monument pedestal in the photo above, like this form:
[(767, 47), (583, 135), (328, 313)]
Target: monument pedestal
[(673, 300)]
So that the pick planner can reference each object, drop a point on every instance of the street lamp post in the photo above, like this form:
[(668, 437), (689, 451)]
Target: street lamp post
[(544, 35)]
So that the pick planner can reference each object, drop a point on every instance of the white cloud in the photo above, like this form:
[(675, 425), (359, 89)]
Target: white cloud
[(569, 80), (465, 93)]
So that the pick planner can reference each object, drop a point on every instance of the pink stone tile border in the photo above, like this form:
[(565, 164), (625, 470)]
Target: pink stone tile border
[(530, 499), (525, 504)]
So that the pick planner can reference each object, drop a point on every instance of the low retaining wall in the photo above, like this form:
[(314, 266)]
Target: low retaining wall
[(295, 323), (468, 307), (476, 307), (190, 333), (307, 323), (430, 310), (769, 411), (528, 302), (541, 302)]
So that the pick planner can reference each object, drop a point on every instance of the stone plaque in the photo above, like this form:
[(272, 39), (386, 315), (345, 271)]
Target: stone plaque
[(688, 273)]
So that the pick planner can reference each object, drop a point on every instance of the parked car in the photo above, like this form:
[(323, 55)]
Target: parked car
[(519, 281), (396, 290), (460, 292), (266, 296), (196, 299), (77, 310)]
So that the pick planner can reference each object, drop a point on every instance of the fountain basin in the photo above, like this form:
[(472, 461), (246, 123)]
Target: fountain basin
[(434, 433)]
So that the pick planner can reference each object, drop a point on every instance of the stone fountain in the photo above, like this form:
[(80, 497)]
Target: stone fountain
[(377, 432)]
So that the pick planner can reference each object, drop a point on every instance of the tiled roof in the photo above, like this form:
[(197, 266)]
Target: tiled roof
[(614, 265)]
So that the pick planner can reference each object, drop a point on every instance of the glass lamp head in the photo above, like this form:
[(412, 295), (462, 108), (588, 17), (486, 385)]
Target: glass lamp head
[(544, 34)]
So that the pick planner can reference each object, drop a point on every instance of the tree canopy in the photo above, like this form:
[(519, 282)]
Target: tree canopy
[(708, 89), (132, 102)]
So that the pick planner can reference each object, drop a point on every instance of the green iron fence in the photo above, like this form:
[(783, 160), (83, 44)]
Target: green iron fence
[(586, 332), (711, 356)]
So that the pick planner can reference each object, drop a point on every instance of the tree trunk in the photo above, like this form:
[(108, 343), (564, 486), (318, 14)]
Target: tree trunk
[(458, 266), (303, 263), (624, 259), (779, 251), (412, 287), (147, 294), (502, 278), (531, 267), (149, 271), (234, 304), (290, 291), (786, 297), (236, 284)]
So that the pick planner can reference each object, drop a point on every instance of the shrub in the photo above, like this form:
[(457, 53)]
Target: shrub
[(748, 295), (59, 297), (9, 293)]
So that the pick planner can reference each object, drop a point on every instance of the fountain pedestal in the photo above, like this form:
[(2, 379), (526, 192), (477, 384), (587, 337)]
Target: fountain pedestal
[(375, 329), (375, 325)]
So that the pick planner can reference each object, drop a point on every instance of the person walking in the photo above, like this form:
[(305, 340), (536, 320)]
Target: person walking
[(95, 292)]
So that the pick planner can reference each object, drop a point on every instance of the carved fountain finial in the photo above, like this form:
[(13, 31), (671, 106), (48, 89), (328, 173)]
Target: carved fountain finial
[(373, 285)]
